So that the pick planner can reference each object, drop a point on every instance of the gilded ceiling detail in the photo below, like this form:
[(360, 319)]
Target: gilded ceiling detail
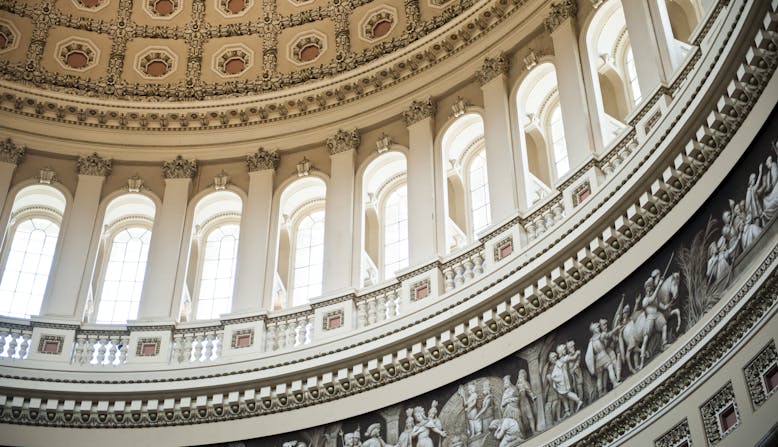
[(186, 50)]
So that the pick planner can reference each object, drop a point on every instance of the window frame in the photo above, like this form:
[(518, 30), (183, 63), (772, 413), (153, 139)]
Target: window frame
[(199, 240), (104, 256), (473, 150), (296, 219), (551, 105), (17, 218), (386, 190)]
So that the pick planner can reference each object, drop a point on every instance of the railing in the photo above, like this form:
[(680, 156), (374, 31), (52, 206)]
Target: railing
[(288, 331), (202, 345), (14, 342), (101, 349), (377, 307)]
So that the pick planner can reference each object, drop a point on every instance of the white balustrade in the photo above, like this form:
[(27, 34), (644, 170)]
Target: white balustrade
[(100, 349), (204, 345), (463, 269), (377, 307), (288, 331), (14, 342), (545, 219)]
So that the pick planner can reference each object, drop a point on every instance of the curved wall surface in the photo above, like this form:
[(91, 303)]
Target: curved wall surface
[(632, 300)]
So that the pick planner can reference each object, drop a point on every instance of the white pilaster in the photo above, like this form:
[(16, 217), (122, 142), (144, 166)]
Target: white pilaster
[(6, 173), (657, 54), (157, 299), (10, 157), (253, 245), (65, 281), (583, 130), (507, 187), (339, 212), (422, 234)]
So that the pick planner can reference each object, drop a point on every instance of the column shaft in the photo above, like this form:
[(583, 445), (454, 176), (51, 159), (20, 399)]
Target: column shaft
[(166, 241), (421, 194), (71, 264), (339, 222), (6, 174)]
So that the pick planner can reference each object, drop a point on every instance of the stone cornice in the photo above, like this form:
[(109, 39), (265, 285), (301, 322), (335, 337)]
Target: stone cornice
[(94, 165), (262, 160), (179, 168), (419, 110), (10, 152), (559, 12), (343, 141), (493, 67)]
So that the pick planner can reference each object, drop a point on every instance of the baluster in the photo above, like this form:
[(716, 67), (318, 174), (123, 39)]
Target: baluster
[(531, 230), (290, 333), (390, 306), (281, 335), (79, 356), (270, 343), (397, 302), (90, 348), (219, 339), (187, 355), (469, 264), (12, 344), (208, 347), (381, 307), (125, 341), (299, 332), (25, 346), (178, 348), (113, 350), (309, 329), (559, 212), (459, 277), (448, 274), (198, 347), (3, 335), (101, 350), (361, 314), (540, 223), (371, 311), (478, 259)]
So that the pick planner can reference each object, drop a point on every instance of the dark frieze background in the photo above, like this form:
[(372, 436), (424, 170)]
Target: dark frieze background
[(542, 384)]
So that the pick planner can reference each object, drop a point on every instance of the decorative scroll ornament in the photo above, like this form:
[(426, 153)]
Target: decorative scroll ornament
[(419, 110), (459, 107), (94, 165), (262, 160), (46, 176), (531, 60), (566, 9), (384, 143), (343, 141), (304, 167), (220, 181), (493, 67), (179, 168), (134, 183), (10, 152)]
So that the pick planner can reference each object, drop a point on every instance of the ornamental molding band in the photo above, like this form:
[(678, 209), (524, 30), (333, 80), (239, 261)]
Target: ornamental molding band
[(419, 110), (10, 152), (559, 12), (94, 165), (720, 415), (343, 141), (262, 160), (493, 67), (680, 435), (762, 375), (179, 168)]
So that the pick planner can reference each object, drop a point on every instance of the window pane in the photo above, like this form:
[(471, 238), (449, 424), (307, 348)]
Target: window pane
[(632, 76), (309, 258), (395, 231), (27, 268), (124, 274), (479, 193), (558, 142), (218, 273)]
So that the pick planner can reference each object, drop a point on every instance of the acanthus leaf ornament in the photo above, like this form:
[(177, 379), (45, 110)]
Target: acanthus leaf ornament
[(262, 160), (94, 165), (10, 152), (560, 12), (493, 67), (419, 110), (179, 168), (343, 141)]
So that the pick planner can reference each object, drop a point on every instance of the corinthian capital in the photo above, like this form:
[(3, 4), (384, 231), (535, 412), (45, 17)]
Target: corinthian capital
[(94, 165), (419, 110), (262, 160), (343, 141), (493, 67), (10, 152), (560, 12), (179, 168)]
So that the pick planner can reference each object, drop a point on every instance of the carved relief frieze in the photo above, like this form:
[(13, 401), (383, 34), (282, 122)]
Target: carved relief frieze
[(419, 110), (93, 164), (343, 140), (179, 168), (11, 152), (262, 160)]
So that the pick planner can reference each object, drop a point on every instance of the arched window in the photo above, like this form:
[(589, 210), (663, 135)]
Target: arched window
[(213, 256), (299, 275), (308, 257), (479, 192), (123, 257), (556, 131), (218, 271), (29, 249), (395, 217), (632, 76)]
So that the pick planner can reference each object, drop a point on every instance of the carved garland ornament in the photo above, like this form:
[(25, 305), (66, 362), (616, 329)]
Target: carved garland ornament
[(419, 110), (262, 160), (94, 165), (343, 141), (10, 152), (179, 168), (566, 9)]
